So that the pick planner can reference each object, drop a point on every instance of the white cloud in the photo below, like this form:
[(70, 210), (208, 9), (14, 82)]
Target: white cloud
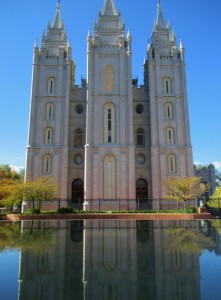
[(217, 164), (197, 163), (17, 168)]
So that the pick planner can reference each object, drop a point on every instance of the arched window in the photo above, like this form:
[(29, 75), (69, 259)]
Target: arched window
[(109, 78), (51, 85), (109, 123), (109, 177), (140, 137), (169, 111), (142, 190), (170, 136), (171, 163), (47, 164), (78, 138), (167, 85), (48, 137), (50, 111)]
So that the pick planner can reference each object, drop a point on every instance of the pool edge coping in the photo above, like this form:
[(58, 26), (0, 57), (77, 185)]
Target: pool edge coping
[(110, 216)]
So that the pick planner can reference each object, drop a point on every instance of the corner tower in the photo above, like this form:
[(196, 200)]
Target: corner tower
[(47, 151), (109, 150), (165, 79)]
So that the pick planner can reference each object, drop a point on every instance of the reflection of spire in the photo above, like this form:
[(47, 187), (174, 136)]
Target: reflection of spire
[(109, 8), (160, 24)]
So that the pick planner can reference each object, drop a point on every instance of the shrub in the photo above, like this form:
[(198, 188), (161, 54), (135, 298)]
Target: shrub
[(31, 211), (66, 210)]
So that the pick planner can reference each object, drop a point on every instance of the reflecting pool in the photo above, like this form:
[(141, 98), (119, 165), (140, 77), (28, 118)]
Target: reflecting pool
[(110, 259)]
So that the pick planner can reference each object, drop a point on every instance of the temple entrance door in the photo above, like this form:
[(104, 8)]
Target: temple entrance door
[(78, 191), (142, 190)]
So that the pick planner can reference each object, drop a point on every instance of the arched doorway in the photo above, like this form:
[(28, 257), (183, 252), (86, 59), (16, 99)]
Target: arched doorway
[(142, 190), (78, 191)]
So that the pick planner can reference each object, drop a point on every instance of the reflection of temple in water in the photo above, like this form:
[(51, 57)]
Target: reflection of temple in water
[(109, 260)]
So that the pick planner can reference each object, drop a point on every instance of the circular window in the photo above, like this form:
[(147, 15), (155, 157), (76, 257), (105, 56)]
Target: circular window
[(139, 109), (79, 109), (141, 159), (78, 159)]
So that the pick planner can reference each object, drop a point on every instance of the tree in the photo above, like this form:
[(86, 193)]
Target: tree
[(8, 187), (215, 199), (183, 189), (199, 167), (7, 172), (38, 190), (21, 175)]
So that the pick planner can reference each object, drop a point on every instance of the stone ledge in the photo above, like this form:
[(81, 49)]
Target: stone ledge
[(115, 216)]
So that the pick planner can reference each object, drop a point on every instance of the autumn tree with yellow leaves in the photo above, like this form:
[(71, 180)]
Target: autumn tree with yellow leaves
[(183, 189)]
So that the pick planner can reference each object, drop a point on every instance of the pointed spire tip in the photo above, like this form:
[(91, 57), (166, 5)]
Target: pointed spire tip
[(109, 8), (160, 19)]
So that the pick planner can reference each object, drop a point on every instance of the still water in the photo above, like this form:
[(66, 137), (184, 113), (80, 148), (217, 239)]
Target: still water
[(50, 260)]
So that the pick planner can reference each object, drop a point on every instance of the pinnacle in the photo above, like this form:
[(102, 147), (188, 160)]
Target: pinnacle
[(160, 24), (57, 23), (109, 8)]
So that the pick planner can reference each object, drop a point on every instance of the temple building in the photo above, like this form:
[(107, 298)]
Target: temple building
[(109, 138)]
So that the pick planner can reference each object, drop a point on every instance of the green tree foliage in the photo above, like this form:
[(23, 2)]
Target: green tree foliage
[(199, 167), (7, 172), (215, 199), (14, 192), (183, 189), (8, 187)]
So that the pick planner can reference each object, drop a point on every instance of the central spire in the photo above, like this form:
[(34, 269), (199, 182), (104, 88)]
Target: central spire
[(160, 19), (57, 23), (109, 8)]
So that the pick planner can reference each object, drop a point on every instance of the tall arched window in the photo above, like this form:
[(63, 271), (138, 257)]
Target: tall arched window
[(78, 138), (140, 137), (109, 177), (109, 78), (167, 85), (171, 163), (109, 123), (47, 164), (48, 137), (169, 111), (49, 111), (51, 85), (170, 136)]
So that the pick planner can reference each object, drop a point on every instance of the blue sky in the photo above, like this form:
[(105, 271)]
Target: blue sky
[(197, 22)]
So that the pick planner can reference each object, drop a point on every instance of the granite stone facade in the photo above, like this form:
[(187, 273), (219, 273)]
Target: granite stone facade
[(109, 138)]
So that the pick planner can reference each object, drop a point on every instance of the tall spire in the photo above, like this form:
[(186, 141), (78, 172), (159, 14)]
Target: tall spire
[(57, 23), (109, 8), (160, 24)]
